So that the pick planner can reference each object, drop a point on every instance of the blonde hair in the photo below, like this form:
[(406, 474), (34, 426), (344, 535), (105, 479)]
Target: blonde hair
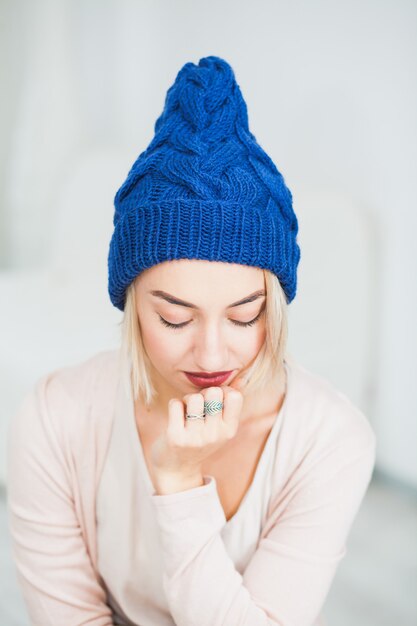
[(267, 364)]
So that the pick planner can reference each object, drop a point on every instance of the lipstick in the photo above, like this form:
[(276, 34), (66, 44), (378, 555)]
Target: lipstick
[(214, 380)]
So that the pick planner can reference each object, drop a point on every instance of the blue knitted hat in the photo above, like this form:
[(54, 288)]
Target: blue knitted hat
[(203, 189)]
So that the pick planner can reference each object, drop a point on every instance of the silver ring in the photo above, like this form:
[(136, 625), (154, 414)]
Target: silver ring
[(195, 416), (213, 406)]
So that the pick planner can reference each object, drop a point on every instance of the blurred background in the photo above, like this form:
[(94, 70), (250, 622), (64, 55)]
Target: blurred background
[(332, 98)]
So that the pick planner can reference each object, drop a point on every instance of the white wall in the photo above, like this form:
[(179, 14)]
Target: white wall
[(331, 95)]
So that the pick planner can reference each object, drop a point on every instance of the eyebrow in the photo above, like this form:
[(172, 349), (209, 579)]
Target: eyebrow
[(172, 300)]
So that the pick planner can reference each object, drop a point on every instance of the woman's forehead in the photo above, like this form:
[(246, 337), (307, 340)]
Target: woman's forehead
[(192, 280), (185, 269)]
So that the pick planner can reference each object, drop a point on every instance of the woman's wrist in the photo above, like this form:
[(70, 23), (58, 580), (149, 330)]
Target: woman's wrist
[(166, 484)]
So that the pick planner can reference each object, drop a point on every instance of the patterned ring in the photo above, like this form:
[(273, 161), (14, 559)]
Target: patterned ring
[(212, 407)]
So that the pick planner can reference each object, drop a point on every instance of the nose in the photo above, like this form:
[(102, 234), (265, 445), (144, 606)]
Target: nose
[(210, 348)]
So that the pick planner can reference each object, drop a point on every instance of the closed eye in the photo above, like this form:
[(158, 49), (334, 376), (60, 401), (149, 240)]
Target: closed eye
[(235, 322)]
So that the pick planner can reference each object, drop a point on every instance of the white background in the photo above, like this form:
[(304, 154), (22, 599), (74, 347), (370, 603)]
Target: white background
[(332, 98)]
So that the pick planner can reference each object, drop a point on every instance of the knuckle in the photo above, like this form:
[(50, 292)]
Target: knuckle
[(171, 438), (231, 432), (235, 394), (212, 437), (192, 439)]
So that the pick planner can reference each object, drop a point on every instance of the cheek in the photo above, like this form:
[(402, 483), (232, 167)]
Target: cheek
[(246, 344), (261, 336), (152, 339), (255, 342), (159, 345)]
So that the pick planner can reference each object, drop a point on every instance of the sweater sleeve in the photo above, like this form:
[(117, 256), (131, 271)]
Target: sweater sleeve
[(53, 567), (288, 577)]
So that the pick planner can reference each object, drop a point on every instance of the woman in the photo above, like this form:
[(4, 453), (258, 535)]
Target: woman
[(198, 475)]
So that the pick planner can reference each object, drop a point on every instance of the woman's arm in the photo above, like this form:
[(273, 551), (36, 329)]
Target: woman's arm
[(53, 567), (288, 578)]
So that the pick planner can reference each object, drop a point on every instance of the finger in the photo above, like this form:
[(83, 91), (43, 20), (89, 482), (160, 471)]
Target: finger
[(233, 404), (213, 421), (175, 420), (239, 382), (195, 405)]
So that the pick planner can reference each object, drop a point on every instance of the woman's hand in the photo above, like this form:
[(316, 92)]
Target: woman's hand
[(178, 454)]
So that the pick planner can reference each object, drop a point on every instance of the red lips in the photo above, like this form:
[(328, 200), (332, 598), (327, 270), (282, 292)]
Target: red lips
[(214, 379), (209, 374)]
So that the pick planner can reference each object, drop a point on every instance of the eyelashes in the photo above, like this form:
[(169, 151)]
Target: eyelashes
[(241, 324)]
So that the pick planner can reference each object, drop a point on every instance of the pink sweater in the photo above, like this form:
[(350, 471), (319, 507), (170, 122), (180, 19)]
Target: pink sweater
[(57, 446)]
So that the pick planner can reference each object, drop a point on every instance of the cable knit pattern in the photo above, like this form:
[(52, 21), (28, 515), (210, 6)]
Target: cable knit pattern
[(203, 189)]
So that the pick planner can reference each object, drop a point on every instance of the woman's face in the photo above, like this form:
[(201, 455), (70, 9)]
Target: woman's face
[(212, 335)]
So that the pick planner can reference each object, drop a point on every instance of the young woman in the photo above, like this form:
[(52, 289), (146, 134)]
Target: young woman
[(198, 475)]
